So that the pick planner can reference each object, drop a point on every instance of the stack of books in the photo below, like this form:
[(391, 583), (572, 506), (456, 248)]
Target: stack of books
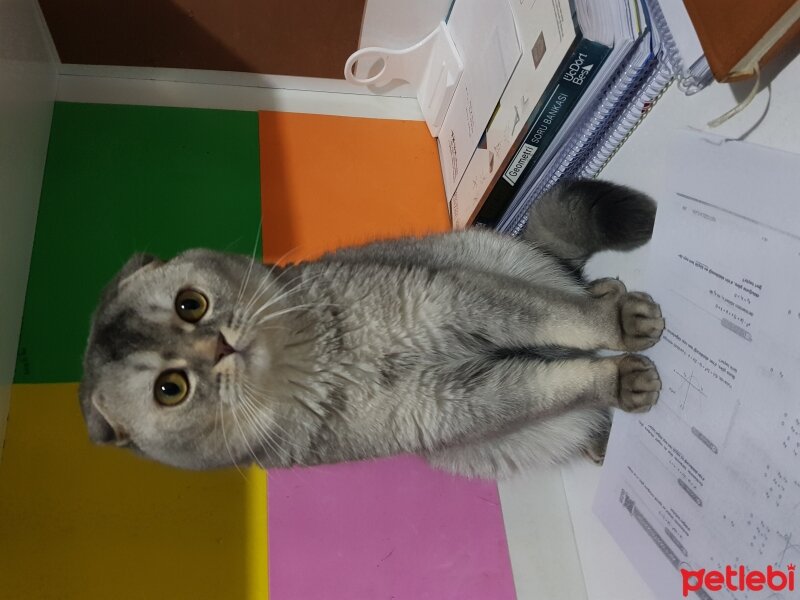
[(590, 71)]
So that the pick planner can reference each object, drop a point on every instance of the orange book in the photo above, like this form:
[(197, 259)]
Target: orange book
[(738, 35)]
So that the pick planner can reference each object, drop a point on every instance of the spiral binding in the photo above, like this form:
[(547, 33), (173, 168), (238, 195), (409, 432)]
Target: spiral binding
[(688, 81), (660, 83), (669, 48)]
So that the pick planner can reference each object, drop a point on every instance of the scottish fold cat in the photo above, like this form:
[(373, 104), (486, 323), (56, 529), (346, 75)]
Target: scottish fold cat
[(475, 350)]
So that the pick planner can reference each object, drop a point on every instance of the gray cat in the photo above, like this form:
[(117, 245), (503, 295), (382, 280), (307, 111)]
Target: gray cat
[(473, 349)]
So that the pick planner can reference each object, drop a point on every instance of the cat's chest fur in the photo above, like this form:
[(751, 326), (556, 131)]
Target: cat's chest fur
[(378, 342)]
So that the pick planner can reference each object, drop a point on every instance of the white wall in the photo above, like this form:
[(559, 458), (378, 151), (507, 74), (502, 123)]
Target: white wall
[(27, 90)]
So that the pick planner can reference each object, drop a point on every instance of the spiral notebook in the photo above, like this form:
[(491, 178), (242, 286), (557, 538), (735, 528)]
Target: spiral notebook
[(652, 65), (681, 44), (598, 140)]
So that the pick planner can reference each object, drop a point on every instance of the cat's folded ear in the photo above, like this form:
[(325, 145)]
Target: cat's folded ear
[(100, 430), (136, 263)]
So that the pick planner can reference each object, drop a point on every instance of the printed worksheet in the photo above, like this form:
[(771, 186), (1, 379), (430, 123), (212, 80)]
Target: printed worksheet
[(703, 492)]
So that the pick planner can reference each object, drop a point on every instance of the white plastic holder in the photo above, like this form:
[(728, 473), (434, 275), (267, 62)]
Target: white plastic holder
[(432, 66)]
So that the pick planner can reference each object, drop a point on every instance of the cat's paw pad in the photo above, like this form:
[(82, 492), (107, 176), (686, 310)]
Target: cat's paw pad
[(641, 321), (639, 383)]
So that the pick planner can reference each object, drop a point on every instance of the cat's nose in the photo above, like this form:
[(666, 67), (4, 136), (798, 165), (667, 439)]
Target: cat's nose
[(223, 348)]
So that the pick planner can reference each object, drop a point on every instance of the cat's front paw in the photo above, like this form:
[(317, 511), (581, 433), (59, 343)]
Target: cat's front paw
[(641, 321), (638, 316), (639, 383)]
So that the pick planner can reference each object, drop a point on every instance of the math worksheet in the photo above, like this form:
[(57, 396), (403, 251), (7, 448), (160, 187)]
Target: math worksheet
[(703, 492)]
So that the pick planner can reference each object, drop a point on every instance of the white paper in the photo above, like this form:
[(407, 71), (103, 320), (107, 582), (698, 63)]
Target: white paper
[(710, 477), (485, 35)]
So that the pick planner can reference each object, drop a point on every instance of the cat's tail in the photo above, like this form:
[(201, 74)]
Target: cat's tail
[(575, 219)]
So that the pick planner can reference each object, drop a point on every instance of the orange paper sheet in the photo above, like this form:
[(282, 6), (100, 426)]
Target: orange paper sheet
[(328, 182)]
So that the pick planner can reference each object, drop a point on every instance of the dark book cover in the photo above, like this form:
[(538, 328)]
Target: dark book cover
[(562, 95)]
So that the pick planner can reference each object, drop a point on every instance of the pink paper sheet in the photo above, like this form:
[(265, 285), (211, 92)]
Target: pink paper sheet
[(388, 529)]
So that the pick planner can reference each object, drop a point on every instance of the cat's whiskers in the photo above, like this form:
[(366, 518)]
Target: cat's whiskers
[(255, 321), (253, 393), (246, 441), (244, 314), (252, 261), (256, 309), (276, 427), (221, 412), (274, 315), (245, 281), (272, 429), (264, 285), (238, 425), (268, 276), (240, 312), (289, 291), (293, 460), (266, 318), (289, 287), (250, 399), (256, 419), (246, 404)]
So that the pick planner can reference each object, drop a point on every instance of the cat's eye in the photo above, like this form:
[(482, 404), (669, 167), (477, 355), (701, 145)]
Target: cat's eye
[(191, 305), (171, 388)]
